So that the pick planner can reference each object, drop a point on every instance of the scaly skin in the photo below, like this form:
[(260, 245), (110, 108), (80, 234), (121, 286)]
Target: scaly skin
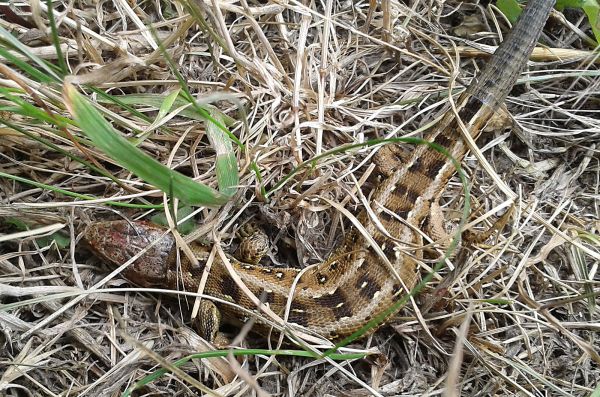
[(340, 295)]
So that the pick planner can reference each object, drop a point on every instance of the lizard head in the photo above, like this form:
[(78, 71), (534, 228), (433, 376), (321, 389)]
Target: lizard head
[(117, 242)]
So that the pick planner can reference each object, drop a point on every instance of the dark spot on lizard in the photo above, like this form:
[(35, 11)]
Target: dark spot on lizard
[(412, 195), (321, 278), (402, 214), (337, 302), (389, 250), (366, 286), (400, 189), (443, 141), (470, 109), (435, 167), (230, 288), (416, 166), (387, 216), (267, 296), (298, 314)]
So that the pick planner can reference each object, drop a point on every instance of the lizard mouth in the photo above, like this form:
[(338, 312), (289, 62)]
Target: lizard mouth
[(117, 242)]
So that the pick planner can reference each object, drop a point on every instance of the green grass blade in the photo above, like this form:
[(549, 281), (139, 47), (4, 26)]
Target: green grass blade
[(75, 195), (55, 39), (158, 100), (226, 167), (237, 353), (6, 37), (130, 157)]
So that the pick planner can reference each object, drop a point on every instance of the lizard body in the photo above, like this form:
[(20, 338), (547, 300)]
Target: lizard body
[(355, 284)]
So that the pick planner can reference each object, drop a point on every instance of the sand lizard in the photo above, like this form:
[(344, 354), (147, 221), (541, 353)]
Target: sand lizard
[(339, 296)]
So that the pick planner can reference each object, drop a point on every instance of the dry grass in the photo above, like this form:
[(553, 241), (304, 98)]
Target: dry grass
[(518, 315)]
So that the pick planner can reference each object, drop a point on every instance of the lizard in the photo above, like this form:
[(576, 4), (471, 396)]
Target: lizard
[(358, 281)]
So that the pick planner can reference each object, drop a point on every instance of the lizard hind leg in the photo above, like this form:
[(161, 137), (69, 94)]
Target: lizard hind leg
[(475, 237), (389, 159), (435, 228), (254, 244)]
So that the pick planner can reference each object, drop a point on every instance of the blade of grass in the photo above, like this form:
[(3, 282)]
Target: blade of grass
[(122, 102), (27, 109), (238, 352), (8, 38), (161, 118), (75, 195), (157, 100), (56, 39), (33, 73), (133, 159), (226, 167), (59, 149), (187, 96)]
